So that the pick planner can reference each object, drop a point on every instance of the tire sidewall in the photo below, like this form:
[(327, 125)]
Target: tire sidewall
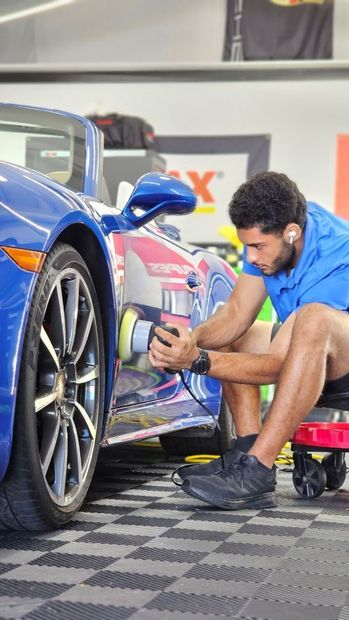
[(63, 257)]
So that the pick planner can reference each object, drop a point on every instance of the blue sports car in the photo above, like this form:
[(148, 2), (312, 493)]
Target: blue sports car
[(71, 266)]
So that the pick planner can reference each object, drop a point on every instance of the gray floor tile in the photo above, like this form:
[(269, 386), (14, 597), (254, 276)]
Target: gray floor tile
[(142, 549), (273, 610)]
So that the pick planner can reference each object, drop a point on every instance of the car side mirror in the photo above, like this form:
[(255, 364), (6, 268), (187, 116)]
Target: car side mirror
[(157, 194)]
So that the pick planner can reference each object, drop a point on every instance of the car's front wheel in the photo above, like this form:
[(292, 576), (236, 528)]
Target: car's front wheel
[(60, 398)]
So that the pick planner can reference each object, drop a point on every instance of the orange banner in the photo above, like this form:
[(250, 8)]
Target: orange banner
[(342, 176)]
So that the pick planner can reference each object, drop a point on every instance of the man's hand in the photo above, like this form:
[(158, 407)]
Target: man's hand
[(180, 354)]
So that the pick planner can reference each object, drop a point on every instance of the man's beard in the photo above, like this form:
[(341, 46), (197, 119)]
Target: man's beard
[(284, 261)]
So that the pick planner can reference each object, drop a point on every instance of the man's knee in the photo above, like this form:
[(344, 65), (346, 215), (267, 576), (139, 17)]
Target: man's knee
[(315, 319), (255, 340)]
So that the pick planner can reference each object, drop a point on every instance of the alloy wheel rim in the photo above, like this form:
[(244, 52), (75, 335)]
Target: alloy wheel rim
[(67, 387)]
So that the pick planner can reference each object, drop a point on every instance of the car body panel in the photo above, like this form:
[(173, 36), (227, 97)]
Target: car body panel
[(163, 267)]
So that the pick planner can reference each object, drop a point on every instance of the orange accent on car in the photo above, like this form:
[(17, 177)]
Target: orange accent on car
[(26, 259)]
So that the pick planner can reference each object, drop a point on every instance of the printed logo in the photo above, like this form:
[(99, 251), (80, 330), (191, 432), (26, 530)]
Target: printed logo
[(169, 268)]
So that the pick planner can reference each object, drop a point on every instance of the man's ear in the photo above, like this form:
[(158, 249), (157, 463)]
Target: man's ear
[(292, 232)]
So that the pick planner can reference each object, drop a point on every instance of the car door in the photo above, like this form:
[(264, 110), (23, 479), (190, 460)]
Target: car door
[(161, 282)]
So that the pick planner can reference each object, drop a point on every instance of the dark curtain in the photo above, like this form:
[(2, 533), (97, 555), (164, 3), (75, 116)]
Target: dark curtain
[(278, 29)]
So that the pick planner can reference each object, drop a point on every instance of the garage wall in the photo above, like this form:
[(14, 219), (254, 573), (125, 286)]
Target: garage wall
[(118, 31), (133, 31), (301, 118)]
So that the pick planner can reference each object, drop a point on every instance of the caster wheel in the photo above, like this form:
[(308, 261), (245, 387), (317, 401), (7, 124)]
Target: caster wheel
[(336, 470), (309, 476)]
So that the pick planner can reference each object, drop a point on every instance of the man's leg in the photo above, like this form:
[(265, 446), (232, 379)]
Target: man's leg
[(243, 403), (244, 400), (311, 347), (318, 352)]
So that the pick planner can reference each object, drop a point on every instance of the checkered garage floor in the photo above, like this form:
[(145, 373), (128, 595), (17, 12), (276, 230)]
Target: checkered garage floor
[(141, 549)]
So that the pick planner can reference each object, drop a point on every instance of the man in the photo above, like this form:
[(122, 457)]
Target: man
[(298, 254)]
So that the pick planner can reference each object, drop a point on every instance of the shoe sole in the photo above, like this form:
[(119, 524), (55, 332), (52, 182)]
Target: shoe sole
[(267, 500)]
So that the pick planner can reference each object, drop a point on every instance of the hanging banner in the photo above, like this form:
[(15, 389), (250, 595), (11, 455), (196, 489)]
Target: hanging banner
[(278, 30), (213, 166)]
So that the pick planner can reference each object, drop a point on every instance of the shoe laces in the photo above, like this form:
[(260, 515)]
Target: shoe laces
[(238, 467), (230, 457)]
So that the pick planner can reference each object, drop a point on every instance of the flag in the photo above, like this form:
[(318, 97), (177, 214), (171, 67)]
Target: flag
[(278, 30)]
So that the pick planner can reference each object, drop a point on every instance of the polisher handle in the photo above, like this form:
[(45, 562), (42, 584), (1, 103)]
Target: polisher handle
[(166, 328), (170, 330)]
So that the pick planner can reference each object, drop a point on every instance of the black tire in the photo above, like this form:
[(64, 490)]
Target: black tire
[(336, 470), (309, 477), (179, 444), (60, 399)]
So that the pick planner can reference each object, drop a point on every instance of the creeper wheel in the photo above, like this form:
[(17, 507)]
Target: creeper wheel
[(335, 468), (309, 476)]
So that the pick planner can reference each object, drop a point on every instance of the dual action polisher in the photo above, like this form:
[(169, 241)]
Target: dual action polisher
[(135, 335)]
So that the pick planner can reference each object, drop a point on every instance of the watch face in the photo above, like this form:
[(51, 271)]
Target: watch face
[(201, 366)]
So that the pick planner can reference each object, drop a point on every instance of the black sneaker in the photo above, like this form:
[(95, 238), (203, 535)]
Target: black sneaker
[(216, 465), (245, 483), (207, 469)]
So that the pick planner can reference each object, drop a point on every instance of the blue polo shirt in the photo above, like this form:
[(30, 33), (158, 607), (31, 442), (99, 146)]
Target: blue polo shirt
[(322, 271)]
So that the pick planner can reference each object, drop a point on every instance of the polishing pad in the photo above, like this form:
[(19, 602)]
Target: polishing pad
[(127, 327)]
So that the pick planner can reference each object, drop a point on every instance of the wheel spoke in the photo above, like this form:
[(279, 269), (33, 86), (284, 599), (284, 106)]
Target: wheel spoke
[(90, 375), (83, 334), (74, 453), (61, 461), (307, 489), (49, 346), (57, 323), (51, 426), (71, 310), (86, 418), (43, 400)]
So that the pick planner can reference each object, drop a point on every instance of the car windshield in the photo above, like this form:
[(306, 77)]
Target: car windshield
[(45, 142)]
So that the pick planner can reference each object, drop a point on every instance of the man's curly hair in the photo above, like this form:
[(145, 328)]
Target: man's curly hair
[(270, 201)]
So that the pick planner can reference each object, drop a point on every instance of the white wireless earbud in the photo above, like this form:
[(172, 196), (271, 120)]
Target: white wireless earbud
[(292, 235)]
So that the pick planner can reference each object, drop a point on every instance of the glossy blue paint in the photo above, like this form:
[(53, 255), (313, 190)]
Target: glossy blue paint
[(15, 294), (34, 210), (156, 194)]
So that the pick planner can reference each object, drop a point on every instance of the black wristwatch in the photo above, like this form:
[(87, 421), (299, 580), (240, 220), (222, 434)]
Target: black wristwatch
[(202, 364)]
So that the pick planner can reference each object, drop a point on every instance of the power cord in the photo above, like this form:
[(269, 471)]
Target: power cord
[(208, 457), (188, 388)]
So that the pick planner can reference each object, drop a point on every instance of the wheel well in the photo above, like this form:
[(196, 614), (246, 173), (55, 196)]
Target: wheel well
[(84, 241)]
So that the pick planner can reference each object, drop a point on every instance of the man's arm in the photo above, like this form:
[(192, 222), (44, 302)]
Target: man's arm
[(235, 317), (257, 369), (229, 323)]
